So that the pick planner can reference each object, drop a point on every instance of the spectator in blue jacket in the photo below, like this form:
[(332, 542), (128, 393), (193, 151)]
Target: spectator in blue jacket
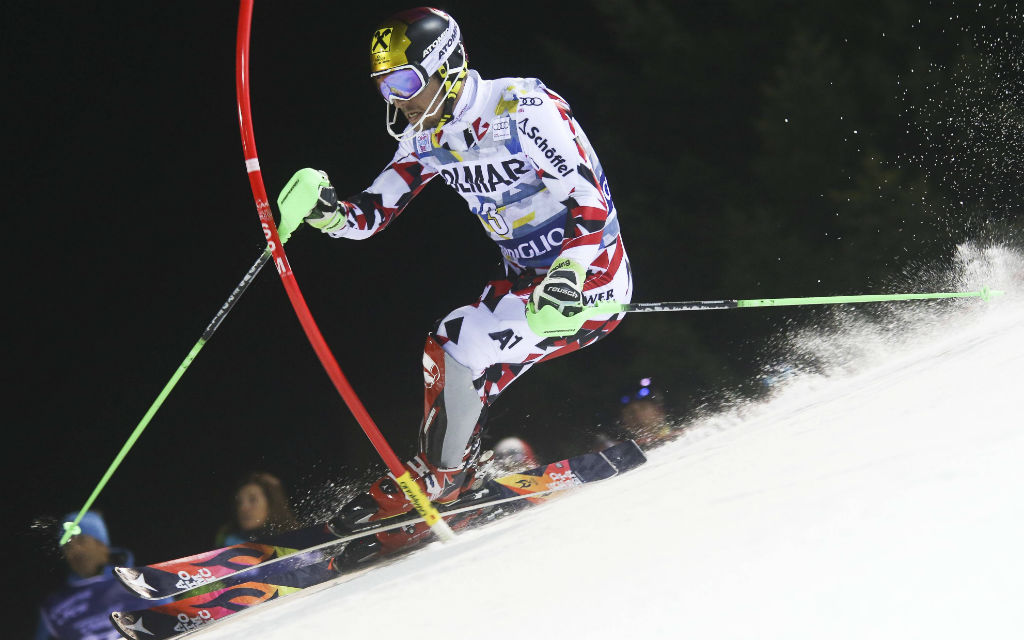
[(80, 609)]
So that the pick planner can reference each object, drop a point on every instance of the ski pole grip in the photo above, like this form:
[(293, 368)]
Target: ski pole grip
[(607, 308)]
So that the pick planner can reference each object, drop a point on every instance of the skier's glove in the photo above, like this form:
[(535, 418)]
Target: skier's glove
[(557, 300), (309, 196)]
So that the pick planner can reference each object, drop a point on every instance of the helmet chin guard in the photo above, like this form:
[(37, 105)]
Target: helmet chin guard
[(449, 89)]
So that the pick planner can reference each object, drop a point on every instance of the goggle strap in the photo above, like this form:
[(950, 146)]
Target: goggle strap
[(449, 100)]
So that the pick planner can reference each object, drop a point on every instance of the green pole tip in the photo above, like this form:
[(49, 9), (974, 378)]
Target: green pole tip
[(70, 530), (988, 294)]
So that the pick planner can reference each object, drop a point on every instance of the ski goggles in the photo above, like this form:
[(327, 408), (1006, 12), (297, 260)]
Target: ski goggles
[(401, 83)]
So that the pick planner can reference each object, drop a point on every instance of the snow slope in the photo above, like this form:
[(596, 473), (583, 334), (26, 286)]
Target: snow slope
[(883, 499)]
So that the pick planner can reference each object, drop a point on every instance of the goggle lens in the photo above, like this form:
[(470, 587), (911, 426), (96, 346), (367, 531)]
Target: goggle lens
[(401, 83)]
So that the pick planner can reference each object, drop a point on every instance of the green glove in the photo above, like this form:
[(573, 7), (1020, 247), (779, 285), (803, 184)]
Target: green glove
[(556, 303), (309, 196)]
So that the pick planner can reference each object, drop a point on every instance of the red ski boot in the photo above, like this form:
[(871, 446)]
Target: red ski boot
[(371, 548), (385, 499)]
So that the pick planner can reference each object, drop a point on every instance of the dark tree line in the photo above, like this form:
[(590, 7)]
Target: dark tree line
[(770, 149)]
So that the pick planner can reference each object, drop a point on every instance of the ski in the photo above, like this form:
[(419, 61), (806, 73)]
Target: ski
[(214, 602), (189, 614), (293, 550), (312, 567)]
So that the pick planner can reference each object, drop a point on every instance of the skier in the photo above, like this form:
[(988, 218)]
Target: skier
[(512, 148)]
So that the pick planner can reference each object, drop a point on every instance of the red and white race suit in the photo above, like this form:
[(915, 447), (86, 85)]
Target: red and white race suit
[(514, 151)]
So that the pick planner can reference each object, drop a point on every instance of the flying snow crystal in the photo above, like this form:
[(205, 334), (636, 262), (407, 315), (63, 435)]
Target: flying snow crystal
[(972, 116)]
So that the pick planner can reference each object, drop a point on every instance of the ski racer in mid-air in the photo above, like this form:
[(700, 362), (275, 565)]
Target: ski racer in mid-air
[(512, 148)]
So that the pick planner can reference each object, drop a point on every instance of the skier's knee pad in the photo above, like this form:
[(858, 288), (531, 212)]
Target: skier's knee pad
[(453, 409)]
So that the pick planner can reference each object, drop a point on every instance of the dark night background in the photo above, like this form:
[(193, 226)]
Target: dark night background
[(754, 149)]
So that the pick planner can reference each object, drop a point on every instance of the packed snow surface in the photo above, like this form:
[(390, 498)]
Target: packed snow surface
[(882, 497)]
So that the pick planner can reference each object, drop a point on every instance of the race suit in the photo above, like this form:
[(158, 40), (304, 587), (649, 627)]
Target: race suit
[(528, 172)]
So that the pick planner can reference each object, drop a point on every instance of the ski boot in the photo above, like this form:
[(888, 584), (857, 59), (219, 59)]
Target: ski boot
[(369, 549), (385, 499)]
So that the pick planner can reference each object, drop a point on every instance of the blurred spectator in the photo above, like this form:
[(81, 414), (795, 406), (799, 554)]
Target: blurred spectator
[(642, 414), (641, 417), (514, 454), (261, 509), (80, 609)]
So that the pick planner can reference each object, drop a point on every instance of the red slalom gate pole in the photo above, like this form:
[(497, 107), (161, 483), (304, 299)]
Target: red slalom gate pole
[(291, 286)]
